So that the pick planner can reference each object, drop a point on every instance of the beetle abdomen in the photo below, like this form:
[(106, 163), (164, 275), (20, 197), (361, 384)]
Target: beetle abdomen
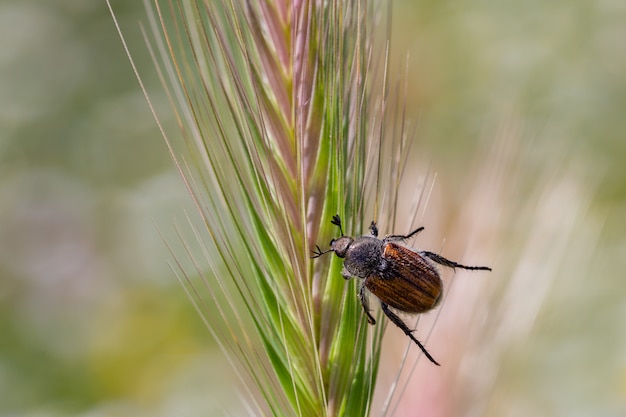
[(410, 283)]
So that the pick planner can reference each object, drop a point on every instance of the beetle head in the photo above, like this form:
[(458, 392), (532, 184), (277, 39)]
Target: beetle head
[(340, 245)]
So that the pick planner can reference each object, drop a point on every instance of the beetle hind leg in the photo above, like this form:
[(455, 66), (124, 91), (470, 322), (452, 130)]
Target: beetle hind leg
[(447, 262), (398, 322)]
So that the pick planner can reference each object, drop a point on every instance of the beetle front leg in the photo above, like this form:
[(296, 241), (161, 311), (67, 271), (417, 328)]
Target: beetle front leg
[(373, 229), (366, 305), (391, 238), (346, 274)]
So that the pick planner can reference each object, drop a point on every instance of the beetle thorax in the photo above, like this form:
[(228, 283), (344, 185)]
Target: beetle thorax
[(364, 256)]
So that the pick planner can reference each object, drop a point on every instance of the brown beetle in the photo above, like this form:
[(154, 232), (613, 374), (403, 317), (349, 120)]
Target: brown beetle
[(399, 277)]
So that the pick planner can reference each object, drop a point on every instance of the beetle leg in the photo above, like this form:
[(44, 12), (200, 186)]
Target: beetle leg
[(373, 229), (446, 262), (345, 273), (398, 322), (365, 304), (390, 238)]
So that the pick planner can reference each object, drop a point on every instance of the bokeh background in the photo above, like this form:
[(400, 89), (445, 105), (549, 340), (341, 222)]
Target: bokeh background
[(92, 319)]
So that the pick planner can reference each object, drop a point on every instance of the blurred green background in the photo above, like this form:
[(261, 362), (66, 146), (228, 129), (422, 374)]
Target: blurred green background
[(92, 319)]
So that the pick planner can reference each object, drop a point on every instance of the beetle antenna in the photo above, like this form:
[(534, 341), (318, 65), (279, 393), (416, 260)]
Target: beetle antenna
[(319, 252), (337, 222)]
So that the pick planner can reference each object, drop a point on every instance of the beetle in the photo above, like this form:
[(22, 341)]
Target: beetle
[(399, 277)]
